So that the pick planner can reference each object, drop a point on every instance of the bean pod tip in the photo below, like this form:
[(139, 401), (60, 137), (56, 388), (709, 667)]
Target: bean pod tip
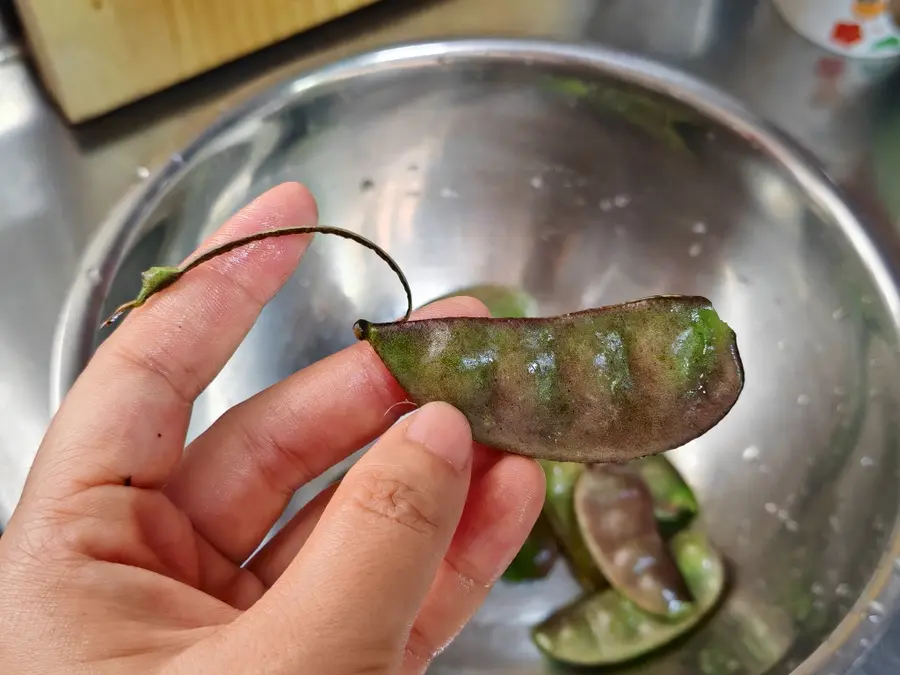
[(361, 329)]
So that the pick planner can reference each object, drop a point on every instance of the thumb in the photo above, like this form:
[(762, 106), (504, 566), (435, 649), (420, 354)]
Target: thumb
[(350, 597)]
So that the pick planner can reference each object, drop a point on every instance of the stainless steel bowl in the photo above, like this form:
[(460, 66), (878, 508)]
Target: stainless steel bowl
[(585, 177)]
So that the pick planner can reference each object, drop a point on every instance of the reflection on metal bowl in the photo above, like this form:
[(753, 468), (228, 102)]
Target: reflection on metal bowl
[(583, 177)]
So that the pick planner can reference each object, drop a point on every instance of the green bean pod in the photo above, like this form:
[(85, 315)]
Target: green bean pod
[(501, 301), (614, 509), (674, 503), (538, 555), (602, 385), (606, 628), (559, 509)]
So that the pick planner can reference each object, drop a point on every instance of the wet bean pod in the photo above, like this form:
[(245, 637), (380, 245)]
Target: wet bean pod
[(614, 510), (606, 628), (538, 555), (674, 503), (559, 508), (603, 385)]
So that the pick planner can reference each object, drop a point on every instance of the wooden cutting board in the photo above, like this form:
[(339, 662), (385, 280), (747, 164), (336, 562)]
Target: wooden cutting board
[(96, 55)]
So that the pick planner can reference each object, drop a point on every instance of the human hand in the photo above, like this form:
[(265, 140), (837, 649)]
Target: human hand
[(126, 552)]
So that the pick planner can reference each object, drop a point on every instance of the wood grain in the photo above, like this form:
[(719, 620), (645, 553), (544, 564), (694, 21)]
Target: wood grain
[(96, 55)]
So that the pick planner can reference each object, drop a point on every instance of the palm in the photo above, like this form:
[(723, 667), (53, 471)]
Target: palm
[(166, 543)]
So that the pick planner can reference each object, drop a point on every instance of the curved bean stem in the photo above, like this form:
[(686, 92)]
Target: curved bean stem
[(156, 279)]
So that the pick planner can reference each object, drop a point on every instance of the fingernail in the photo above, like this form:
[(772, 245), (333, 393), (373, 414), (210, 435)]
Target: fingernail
[(444, 432)]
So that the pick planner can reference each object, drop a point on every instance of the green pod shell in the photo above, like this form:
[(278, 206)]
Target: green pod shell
[(559, 508), (501, 301), (605, 628), (674, 502), (538, 555), (602, 385), (614, 509)]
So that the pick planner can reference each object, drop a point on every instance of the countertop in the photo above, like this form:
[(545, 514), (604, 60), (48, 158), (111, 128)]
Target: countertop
[(59, 183)]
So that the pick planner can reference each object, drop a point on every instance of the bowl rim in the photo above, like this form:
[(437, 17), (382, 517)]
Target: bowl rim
[(73, 339)]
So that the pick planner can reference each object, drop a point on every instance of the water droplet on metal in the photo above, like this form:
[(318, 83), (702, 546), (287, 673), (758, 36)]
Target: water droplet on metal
[(695, 250), (366, 184), (835, 523), (143, 172), (783, 515), (699, 227), (605, 205), (792, 526), (537, 182), (866, 462), (447, 193), (838, 314), (93, 275), (842, 590), (876, 612), (580, 201), (781, 345), (619, 230), (839, 390), (817, 589), (866, 299), (771, 507), (750, 454), (803, 399), (621, 201)]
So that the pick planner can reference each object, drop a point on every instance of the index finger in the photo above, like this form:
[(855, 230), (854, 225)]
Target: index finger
[(126, 417)]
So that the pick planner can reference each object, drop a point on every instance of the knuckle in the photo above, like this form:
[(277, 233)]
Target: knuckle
[(164, 364), (377, 661), (282, 465), (420, 649), (386, 497)]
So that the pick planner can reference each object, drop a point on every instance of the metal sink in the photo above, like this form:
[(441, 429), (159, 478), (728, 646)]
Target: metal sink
[(584, 177)]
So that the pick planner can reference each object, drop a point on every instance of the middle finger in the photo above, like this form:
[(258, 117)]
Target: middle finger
[(239, 475)]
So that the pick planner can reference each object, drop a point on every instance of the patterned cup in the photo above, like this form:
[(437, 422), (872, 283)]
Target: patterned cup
[(857, 28)]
